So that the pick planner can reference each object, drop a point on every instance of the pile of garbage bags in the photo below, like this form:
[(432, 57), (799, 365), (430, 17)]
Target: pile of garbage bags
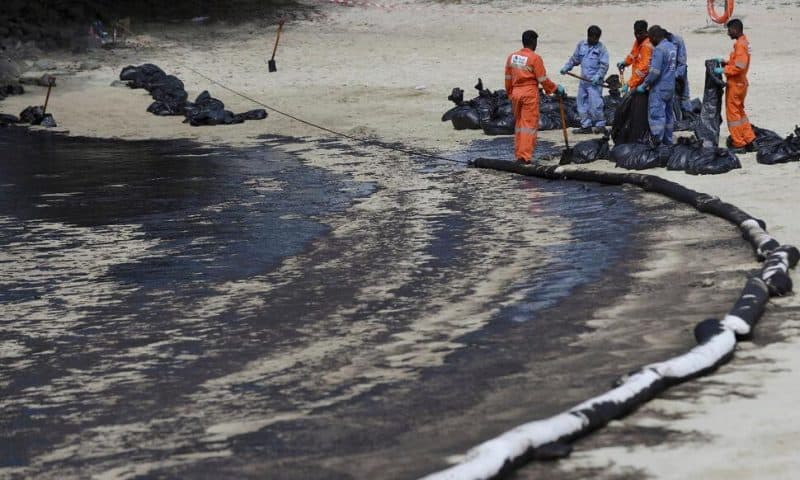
[(687, 154), (170, 98), (772, 148), (491, 111)]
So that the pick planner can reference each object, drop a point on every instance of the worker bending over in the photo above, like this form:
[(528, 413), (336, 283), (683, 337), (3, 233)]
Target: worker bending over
[(524, 73), (592, 56), (736, 83), (660, 87), (639, 58)]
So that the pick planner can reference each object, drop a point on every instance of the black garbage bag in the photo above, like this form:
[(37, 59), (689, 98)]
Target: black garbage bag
[(35, 115), (207, 110), (610, 104), (638, 156), (142, 76), (257, 114), (500, 126), (7, 119), (630, 121), (773, 149), (712, 161), (12, 89), (684, 150), (707, 126), (464, 117), (590, 150), (456, 96)]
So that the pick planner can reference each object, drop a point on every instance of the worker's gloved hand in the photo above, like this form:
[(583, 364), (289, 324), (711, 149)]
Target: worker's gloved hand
[(560, 92), (621, 65), (719, 70), (641, 89), (624, 89), (563, 71), (597, 80)]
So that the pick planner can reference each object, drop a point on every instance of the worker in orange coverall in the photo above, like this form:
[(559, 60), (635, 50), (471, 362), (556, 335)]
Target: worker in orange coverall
[(735, 70), (639, 58), (524, 73)]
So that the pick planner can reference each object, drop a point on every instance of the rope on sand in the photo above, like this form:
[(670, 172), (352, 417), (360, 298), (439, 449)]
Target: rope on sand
[(368, 142), (716, 339)]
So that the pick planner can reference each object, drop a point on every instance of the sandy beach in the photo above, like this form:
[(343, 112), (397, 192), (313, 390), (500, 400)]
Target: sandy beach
[(383, 73)]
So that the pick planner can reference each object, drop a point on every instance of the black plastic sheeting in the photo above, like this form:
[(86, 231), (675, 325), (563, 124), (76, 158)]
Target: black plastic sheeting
[(772, 148), (715, 339), (170, 98), (707, 127)]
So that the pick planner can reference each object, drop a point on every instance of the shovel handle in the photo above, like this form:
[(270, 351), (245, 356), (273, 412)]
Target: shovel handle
[(563, 120), (586, 79), (277, 37), (47, 98)]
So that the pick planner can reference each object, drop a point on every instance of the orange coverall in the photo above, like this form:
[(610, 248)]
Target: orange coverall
[(640, 56), (524, 72), (735, 91)]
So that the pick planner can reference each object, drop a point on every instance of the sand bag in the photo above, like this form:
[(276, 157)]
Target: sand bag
[(500, 126), (707, 126)]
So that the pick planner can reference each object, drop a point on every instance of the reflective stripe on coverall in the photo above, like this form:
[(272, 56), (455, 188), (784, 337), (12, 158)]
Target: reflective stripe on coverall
[(661, 82), (524, 72), (735, 92), (593, 60), (640, 56), (681, 69)]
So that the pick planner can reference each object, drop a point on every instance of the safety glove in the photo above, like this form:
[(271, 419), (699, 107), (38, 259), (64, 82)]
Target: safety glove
[(719, 70), (624, 89), (621, 65), (560, 92), (641, 89), (563, 71)]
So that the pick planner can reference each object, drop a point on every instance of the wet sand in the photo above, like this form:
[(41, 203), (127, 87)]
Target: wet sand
[(335, 72)]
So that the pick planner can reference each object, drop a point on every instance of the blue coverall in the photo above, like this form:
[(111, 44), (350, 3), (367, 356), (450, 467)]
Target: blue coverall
[(660, 82), (593, 60), (681, 69)]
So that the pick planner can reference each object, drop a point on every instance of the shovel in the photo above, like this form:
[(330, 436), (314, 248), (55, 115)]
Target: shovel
[(271, 62), (568, 154)]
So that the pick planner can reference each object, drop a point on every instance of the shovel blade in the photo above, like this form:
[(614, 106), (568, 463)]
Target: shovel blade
[(566, 156), (272, 66)]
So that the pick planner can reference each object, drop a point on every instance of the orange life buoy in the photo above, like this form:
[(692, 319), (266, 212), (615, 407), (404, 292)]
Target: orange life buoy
[(720, 18)]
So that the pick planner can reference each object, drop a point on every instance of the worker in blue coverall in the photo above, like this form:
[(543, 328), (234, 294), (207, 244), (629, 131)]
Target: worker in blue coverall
[(660, 86), (681, 71), (592, 56)]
